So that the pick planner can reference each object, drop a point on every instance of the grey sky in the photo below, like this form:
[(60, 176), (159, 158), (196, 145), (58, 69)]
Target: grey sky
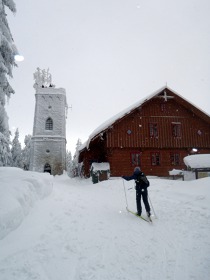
[(108, 54)]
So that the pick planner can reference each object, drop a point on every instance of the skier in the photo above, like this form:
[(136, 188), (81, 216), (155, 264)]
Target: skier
[(141, 189)]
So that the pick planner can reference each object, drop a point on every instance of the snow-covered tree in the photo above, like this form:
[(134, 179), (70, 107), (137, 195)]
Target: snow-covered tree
[(5, 153), (7, 61), (69, 164), (75, 163), (16, 151), (26, 152)]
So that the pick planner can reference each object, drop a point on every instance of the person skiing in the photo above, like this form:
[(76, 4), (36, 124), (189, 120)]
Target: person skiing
[(141, 189)]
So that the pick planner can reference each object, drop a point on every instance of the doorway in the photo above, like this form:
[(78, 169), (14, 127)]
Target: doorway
[(47, 168)]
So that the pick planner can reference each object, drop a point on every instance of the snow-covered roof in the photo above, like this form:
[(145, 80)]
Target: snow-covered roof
[(125, 112), (198, 161), (120, 115), (100, 166)]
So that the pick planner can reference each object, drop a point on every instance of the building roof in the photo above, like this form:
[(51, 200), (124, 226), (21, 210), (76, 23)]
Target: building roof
[(107, 124)]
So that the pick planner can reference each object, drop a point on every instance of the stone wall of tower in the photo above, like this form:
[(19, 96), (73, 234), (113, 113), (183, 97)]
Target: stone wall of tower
[(49, 146), (51, 151), (50, 102)]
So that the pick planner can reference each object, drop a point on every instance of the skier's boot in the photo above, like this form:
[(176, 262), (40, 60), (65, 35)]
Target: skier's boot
[(148, 214)]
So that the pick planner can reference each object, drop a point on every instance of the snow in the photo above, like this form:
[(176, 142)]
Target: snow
[(198, 161), (18, 192), (95, 166), (176, 172), (82, 231)]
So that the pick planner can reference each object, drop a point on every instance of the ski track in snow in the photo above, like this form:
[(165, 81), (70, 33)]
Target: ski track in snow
[(83, 232)]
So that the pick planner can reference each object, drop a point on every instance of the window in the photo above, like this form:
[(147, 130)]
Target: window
[(153, 130), (163, 107), (175, 158), (49, 124), (155, 158), (176, 129), (135, 158)]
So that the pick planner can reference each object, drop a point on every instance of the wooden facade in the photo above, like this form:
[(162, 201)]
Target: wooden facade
[(155, 134)]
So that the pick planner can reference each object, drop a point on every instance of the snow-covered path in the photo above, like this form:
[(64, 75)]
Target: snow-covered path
[(82, 231)]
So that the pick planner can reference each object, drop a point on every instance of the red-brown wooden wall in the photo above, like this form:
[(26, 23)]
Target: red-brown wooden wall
[(116, 144)]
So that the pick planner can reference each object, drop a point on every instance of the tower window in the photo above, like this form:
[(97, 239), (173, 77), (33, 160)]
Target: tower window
[(49, 124)]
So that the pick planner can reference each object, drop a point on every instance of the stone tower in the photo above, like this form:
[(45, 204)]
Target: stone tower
[(48, 143)]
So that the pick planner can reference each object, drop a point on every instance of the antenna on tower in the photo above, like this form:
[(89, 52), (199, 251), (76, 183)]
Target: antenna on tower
[(68, 107)]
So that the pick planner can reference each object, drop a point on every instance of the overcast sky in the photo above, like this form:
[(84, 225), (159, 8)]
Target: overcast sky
[(108, 54)]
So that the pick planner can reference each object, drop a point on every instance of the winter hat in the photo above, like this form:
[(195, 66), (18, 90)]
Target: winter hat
[(137, 168)]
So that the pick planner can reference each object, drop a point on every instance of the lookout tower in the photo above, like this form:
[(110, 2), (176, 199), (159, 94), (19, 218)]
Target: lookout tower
[(48, 143)]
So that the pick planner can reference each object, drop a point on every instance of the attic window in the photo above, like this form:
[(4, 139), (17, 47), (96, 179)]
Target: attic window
[(129, 132), (163, 107), (153, 130), (176, 129)]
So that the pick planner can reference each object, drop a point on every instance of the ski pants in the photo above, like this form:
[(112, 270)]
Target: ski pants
[(144, 194)]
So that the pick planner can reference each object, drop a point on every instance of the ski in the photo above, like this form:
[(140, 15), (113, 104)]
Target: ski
[(149, 219)]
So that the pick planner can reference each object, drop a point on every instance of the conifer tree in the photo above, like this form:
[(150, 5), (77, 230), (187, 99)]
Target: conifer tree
[(7, 61), (16, 151), (69, 164), (5, 153), (75, 162), (26, 152)]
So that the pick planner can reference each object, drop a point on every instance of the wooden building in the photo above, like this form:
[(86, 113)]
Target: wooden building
[(155, 133)]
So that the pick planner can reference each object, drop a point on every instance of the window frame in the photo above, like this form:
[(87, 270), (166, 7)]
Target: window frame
[(153, 129), (176, 129), (49, 124), (135, 158), (163, 107), (173, 158), (155, 158)]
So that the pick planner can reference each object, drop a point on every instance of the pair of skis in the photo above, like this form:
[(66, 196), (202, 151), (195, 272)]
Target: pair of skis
[(149, 220)]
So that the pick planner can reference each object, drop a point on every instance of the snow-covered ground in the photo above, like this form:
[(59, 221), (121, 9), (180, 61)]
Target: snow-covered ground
[(62, 228)]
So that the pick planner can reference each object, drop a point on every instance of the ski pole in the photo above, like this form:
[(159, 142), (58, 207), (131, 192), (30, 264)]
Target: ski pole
[(152, 207), (126, 201)]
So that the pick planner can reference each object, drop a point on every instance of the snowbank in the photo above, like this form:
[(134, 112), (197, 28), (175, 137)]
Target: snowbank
[(18, 192), (198, 161), (83, 231)]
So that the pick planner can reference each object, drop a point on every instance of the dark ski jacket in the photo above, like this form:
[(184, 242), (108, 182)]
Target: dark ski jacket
[(140, 180)]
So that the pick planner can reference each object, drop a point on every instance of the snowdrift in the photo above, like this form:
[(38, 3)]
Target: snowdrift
[(19, 190)]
